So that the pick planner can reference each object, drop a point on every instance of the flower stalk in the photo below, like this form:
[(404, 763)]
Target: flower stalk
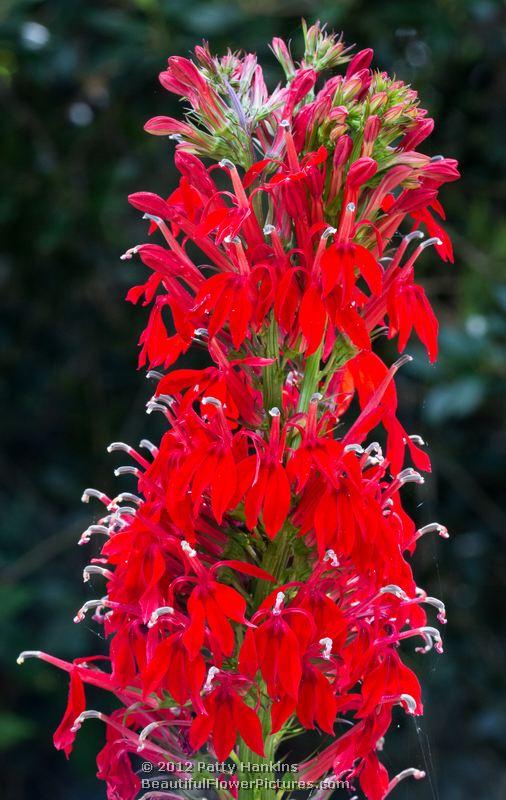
[(258, 580)]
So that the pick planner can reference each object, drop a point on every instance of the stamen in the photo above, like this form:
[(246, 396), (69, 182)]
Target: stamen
[(147, 730), (153, 218), (374, 447), (280, 599), (411, 772), (158, 613), (316, 397), (434, 240), (147, 445), (326, 643), (330, 555), (434, 601), (226, 163), (132, 251), (153, 374), (274, 412), (405, 359), (433, 527), (213, 671), (413, 235), (417, 439), (114, 446), (167, 399), (128, 496), (94, 569), (81, 614), (409, 702), (86, 535), (410, 476), (432, 638), (212, 401), (127, 470), (91, 714), (392, 588), (188, 549), (268, 229), (328, 232), (152, 406), (88, 493), (354, 448), (351, 207), (201, 332), (28, 654)]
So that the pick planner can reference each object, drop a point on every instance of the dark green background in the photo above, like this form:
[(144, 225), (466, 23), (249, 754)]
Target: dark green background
[(72, 149)]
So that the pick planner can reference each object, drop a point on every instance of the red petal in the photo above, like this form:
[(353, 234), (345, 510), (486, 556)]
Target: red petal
[(277, 501), (312, 319), (64, 736), (249, 726), (151, 204)]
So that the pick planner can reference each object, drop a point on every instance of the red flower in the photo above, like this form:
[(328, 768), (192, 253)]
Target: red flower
[(226, 716), (65, 733)]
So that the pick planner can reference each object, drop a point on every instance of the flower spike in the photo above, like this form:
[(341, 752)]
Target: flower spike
[(259, 574)]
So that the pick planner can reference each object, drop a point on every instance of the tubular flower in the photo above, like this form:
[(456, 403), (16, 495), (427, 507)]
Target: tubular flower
[(256, 577)]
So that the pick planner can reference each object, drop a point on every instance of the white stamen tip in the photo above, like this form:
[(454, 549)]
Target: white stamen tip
[(409, 702), (28, 654), (188, 549), (330, 555), (153, 218), (414, 235), (89, 493), (127, 470), (212, 401), (158, 613), (280, 599), (132, 251), (429, 242), (326, 643), (91, 714), (94, 569), (114, 446), (213, 671), (392, 588), (274, 412)]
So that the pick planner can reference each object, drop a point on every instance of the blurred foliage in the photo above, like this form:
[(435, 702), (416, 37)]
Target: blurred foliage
[(77, 81)]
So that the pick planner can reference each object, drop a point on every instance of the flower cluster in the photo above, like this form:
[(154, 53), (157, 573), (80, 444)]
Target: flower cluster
[(258, 582)]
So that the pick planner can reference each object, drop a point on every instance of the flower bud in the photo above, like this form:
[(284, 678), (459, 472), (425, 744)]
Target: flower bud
[(360, 172)]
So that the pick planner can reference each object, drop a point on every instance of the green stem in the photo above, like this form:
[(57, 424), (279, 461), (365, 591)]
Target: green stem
[(311, 379), (272, 374), (263, 774)]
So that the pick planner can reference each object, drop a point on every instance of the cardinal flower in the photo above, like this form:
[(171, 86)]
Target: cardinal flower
[(226, 716), (256, 576)]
